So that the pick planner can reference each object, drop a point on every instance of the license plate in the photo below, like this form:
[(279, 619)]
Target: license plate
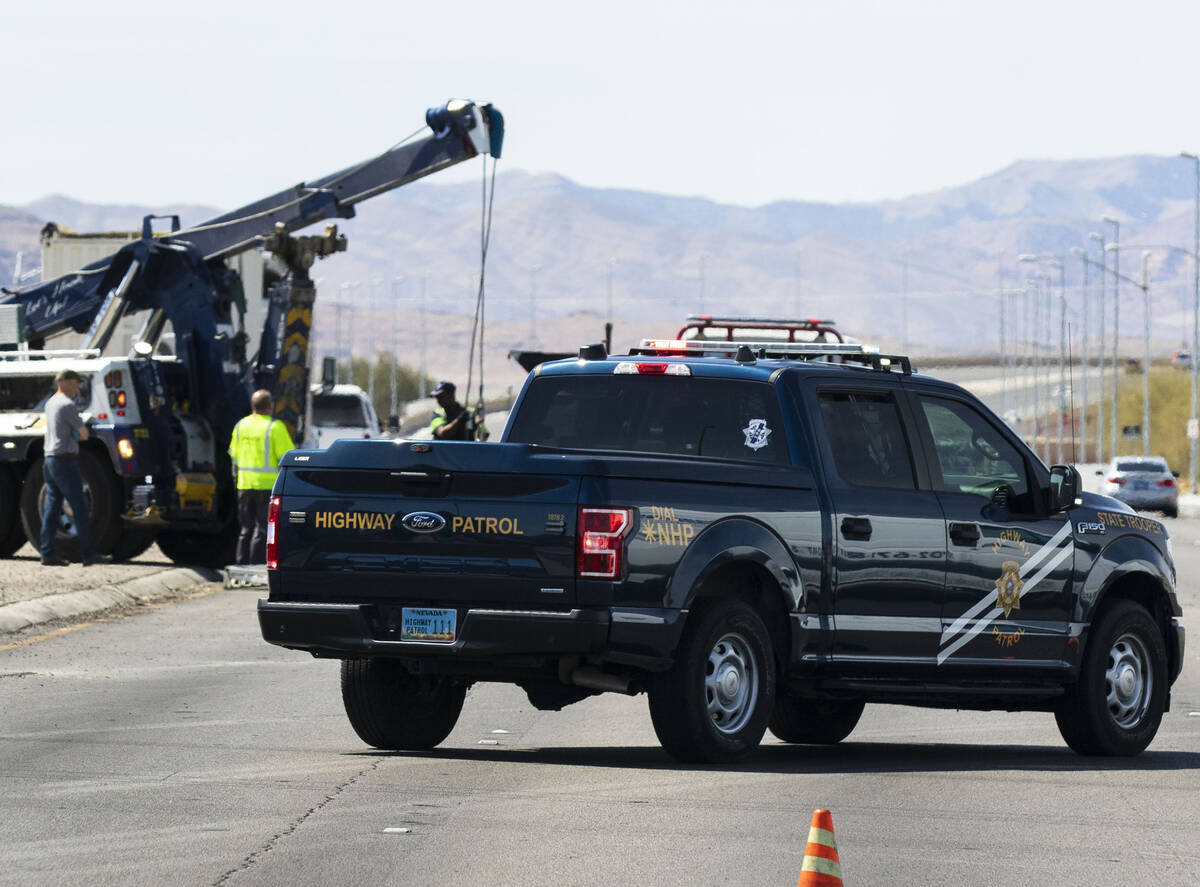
[(428, 624), (1141, 485)]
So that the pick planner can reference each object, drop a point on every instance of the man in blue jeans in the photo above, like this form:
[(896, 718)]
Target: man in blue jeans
[(60, 468)]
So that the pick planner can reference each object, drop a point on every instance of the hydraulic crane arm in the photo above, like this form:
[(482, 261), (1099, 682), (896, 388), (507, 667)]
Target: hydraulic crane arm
[(461, 130)]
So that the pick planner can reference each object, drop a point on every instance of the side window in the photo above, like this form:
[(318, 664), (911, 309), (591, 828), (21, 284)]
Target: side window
[(867, 439), (973, 455)]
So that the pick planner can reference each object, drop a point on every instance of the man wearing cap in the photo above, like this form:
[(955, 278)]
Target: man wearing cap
[(451, 421), (258, 443), (61, 472)]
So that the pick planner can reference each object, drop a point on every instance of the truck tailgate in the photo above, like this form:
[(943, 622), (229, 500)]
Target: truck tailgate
[(432, 527)]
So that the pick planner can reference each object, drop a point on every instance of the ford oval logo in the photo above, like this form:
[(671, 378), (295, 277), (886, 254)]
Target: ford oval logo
[(423, 521)]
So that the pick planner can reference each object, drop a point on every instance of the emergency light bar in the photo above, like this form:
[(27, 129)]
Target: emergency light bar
[(749, 351), (775, 348), (750, 321)]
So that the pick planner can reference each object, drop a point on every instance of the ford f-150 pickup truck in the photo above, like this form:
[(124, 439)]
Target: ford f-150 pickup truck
[(770, 537)]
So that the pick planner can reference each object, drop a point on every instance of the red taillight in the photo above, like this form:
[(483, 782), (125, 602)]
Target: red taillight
[(601, 534), (1119, 481), (272, 531), (1167, 482)]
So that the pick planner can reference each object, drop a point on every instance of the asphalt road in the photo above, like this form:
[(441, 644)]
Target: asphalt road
[(175, 747)]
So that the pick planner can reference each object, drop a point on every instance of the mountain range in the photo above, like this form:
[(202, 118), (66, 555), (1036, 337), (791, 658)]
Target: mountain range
[(924, 270)]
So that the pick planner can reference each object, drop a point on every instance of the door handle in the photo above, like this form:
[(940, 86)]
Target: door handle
[(856, 528), (964, 534)]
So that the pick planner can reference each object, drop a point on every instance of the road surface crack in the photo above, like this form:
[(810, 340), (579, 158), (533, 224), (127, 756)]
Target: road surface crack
[(252, 858)]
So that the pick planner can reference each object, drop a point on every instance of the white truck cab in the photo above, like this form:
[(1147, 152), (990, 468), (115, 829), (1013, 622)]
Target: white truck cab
[(340, 412)]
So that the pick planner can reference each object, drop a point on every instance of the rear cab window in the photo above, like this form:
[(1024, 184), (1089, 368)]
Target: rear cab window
[(698, 416), (338, 411)]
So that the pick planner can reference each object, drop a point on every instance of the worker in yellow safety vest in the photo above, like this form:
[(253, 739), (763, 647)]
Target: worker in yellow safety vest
[(259, 442)]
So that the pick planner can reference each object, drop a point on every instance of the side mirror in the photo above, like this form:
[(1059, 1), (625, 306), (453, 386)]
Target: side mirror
[(1066, 487)]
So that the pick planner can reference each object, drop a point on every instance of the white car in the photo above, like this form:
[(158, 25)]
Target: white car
[(1142, 482)]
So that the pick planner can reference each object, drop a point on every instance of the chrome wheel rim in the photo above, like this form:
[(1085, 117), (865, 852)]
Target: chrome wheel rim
[(1128, 682), (731, 683), (66, 528)]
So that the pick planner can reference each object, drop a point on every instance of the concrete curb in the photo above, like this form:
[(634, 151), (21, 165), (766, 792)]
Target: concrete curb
[(24, 614)]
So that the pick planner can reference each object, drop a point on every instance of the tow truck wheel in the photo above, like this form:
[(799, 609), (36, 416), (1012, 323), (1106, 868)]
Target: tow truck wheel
[(1117, 704), (213, 550), (814, 721), (104, 507), (392, 709), (130, 544), (712, 705), (12, 534)]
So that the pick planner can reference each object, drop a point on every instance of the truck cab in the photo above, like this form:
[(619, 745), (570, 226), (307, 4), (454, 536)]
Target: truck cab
[(340, 412)]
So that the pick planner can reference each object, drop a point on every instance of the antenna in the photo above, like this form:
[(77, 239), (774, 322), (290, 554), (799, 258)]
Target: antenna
[(1071, 386)]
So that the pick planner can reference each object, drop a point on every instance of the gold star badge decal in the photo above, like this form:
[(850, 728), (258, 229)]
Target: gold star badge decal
[(1008, 587)]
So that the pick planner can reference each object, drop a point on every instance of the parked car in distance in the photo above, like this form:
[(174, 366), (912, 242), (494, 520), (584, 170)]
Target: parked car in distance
[(1182, 359), (1143, 482)]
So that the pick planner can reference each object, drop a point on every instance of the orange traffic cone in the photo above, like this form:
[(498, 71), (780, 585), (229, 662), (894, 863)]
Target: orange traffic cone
[(821, 867)]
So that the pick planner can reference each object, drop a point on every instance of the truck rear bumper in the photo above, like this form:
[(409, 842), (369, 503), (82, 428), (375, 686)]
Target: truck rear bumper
[(641, 637), (348, 630)]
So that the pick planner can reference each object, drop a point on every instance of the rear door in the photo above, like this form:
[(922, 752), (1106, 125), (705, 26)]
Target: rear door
[(429, 534), (889, 550)]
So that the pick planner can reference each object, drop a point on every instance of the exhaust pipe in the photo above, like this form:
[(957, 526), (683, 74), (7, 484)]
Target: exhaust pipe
[(595, 679)]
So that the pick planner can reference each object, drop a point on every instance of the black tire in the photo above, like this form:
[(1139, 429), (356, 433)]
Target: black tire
[(211, 550), (130, 544), (394, 710), (14, 541), (712, 705), (12, 533), (814, 721), (1117, 704), (102, 491), (1171, 512)]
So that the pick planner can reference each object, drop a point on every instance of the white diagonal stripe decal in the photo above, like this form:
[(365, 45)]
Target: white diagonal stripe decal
[(958, 624), (990, 617)]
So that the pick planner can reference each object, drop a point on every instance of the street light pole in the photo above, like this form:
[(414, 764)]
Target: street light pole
[(1192, 450), (1081, 253), (1099, 238), (1062, 357), (1146, 354), (1116, 370)]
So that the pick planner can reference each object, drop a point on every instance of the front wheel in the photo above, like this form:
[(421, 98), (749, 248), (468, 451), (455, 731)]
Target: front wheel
[(101, 492), (1117, 704), (814, 721), (392, 709), (713, 703)]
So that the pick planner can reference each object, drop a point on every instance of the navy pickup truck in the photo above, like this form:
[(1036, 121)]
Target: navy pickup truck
[(770, 538)]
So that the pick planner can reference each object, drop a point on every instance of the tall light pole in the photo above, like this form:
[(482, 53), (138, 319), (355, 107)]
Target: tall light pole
[(611, 264), (703, 256), (1115, 248), (1195, 329), (1058, 262), (533, 272), (1116, 367), (396, 286), (1099, 238), (1062, 355), (1080, 253), (423, 372)]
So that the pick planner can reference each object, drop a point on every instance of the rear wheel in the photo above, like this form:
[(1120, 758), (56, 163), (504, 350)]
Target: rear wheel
[(1172, 511), (392, 709), (212, 550), (1117, 704), (12, 534), (713, 703), (130, 544), (100, 491), (814, 721)]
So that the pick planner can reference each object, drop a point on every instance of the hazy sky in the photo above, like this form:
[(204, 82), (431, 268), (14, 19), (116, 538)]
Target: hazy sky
[(744, 102)]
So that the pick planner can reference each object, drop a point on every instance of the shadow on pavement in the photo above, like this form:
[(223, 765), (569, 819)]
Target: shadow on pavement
[(848, 757)]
